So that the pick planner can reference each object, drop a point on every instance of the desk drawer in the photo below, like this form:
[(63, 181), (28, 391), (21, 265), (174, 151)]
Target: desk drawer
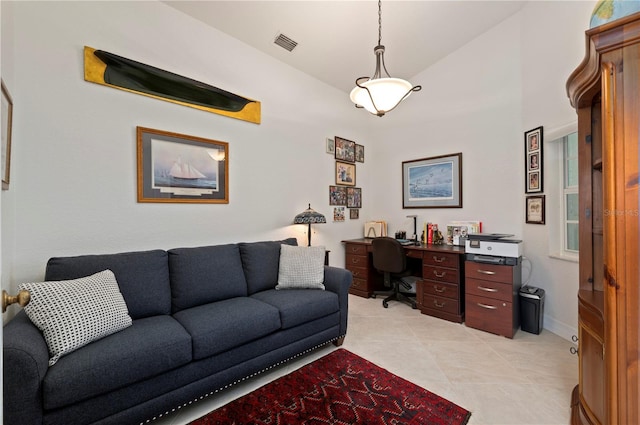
[(490, 315), (487, 288), (441, 289), (496, 273), (441, 274), (413, 253), (359, 272), (352, 260), (359, 285), (357, 249), (442, 259), (445, 305)]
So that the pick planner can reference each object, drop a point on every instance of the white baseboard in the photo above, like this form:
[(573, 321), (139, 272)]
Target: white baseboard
[(561, 329)]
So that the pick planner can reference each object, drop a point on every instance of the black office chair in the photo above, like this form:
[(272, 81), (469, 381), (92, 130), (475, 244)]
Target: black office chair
[(390, 259)]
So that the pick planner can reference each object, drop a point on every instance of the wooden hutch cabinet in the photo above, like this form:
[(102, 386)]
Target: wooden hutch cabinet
[(605, 90)]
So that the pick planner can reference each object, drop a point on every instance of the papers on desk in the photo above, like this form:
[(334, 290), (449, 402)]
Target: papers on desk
[(405, 241)]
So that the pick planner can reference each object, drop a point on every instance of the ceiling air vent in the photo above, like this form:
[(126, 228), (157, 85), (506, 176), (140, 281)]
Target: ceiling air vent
[(285, 42)]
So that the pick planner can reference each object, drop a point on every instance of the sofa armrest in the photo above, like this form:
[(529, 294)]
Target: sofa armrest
[(339, 281), (25, 363)]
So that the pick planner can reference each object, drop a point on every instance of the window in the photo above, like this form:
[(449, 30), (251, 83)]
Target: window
[(570, 210)]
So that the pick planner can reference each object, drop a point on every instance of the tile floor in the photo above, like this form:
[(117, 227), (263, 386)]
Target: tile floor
[(527, 380)]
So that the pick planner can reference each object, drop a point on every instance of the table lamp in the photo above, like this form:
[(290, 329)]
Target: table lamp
[(309, 216)]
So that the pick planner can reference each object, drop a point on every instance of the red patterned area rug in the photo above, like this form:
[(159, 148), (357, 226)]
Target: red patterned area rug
[(340, 388)]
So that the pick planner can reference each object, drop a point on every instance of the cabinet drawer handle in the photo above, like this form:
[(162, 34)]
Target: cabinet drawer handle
[(482, 288), (439, 289), (438, 274), (490, 307), (439, 259), (355, 273), (355, 260), (486, 272), (354, 249), (435, 302)]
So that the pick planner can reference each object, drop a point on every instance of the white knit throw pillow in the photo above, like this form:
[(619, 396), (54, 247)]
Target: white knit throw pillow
[(73, 313), (301, 267)]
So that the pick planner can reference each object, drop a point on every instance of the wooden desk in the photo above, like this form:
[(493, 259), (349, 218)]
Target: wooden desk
[(440, 293)]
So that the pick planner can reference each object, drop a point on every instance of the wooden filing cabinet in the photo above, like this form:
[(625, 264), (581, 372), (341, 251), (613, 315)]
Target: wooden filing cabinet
[(440, 292), (491, 297), (357, 262)]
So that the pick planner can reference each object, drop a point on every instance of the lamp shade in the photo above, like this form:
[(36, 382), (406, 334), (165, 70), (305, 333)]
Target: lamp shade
[(309, 216), (387, 93)]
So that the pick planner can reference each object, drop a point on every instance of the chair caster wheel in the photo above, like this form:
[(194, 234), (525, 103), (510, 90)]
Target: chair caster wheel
[(373, 296), (413, 306), (385, 304)]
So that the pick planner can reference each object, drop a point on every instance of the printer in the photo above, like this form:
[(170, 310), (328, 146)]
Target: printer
[(493, 248)]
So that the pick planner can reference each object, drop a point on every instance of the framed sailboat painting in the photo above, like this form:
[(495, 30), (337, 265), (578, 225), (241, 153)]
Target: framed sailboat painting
[(179, 168)]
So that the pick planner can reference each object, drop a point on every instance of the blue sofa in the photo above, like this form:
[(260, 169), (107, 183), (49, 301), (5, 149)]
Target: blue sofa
[(204, 318)]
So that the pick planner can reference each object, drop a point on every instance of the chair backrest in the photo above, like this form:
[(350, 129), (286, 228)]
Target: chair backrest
[(388, 255)]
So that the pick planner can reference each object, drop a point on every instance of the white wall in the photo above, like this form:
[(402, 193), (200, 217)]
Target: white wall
[(73, 183), (553, 50)]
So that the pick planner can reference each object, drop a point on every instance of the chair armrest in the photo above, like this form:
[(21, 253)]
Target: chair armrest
[(339, 281), (25, 363)]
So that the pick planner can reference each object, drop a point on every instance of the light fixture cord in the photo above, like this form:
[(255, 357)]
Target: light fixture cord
[(379, 22)]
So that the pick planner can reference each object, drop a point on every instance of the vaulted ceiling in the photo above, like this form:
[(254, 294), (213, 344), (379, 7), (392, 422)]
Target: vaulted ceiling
[(335, 39)]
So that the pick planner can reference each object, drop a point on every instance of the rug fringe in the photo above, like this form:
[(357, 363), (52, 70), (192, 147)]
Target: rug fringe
[(202, 397)]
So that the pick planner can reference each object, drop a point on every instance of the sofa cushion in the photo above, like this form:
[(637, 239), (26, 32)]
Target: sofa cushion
[(73, 313), (301, 306), (260, 261), (143, 277), (205, 274), (301, 267), (220, 326), (149, 347)]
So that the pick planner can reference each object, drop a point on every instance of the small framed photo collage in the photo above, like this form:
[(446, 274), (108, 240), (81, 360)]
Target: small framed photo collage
[(344, 194), (534, 173)]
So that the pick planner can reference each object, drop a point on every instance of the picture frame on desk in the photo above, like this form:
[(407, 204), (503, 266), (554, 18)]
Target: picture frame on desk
[(434, 182), (535, 209), (533, 160)]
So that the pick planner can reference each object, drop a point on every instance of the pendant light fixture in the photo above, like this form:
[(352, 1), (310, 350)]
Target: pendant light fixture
[(380, 94)]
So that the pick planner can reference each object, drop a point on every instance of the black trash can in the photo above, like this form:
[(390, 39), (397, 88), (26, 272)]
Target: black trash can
[(531, 309)]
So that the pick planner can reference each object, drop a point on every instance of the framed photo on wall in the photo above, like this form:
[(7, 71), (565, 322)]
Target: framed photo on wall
[(345, 173), (345, 149), (354, 197), (359, 153), (434, 182), (533, 161), (535, 209), (337, 195), (178, 168)]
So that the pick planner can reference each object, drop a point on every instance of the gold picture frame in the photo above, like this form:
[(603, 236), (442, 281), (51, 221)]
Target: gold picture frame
[(178, 168), (7, 122)]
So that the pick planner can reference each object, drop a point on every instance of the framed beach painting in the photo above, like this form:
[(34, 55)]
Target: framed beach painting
[(178, 168), (434, 182)]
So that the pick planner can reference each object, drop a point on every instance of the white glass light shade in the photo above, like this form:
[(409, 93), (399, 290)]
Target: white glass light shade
[(386, 93)]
